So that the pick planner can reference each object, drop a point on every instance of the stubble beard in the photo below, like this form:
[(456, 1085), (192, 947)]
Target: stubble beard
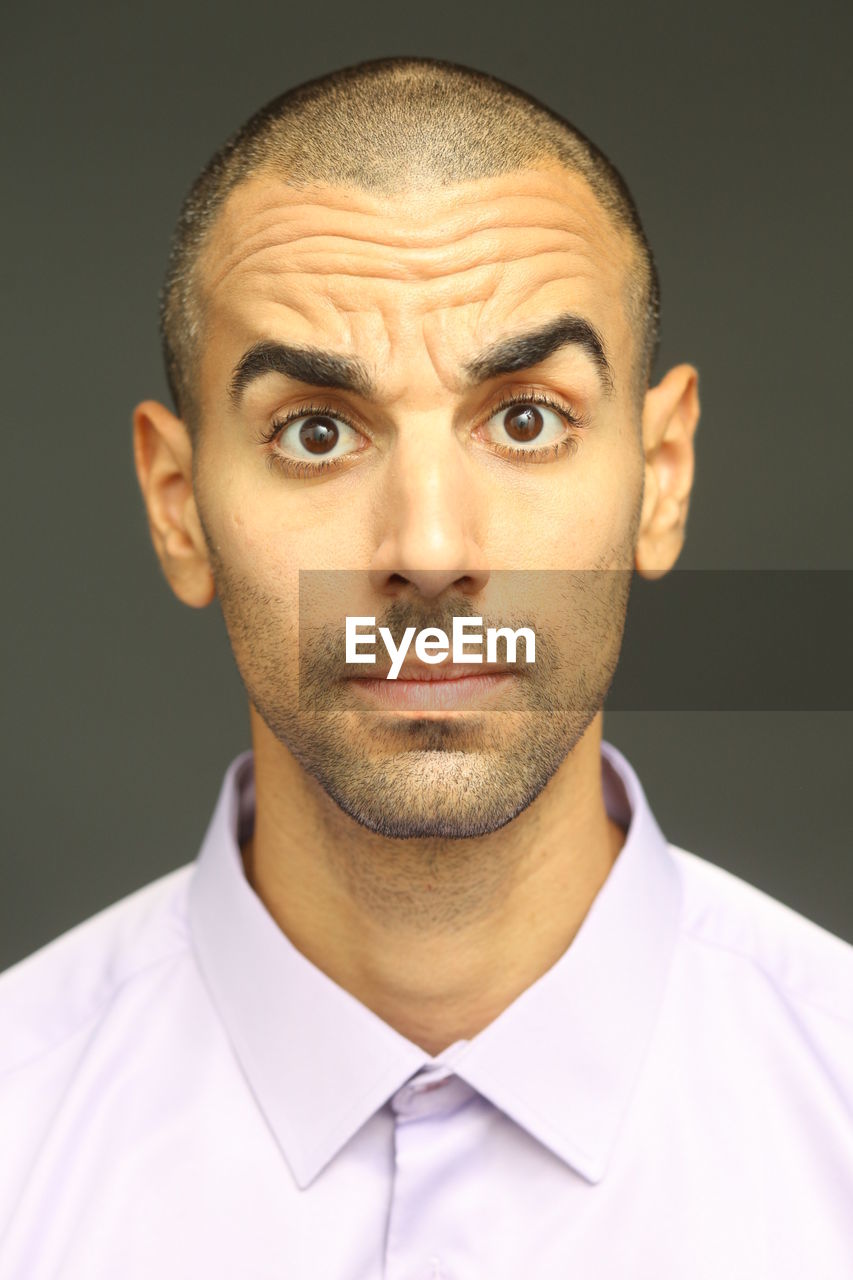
[(429, 778)]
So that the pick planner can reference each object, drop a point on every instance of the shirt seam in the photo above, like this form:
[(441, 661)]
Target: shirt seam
[(783, 988), (91, 1018)]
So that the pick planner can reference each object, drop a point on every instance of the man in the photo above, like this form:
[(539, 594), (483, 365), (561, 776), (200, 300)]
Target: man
[(437, 998)]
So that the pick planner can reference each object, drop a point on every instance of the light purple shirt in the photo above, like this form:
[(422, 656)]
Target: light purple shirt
[(184, 1095)]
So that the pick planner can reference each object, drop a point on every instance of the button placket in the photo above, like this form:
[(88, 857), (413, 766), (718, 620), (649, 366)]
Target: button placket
[(424, 1137)]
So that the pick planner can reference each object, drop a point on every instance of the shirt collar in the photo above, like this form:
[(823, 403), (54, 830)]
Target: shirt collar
[(561, 1060)]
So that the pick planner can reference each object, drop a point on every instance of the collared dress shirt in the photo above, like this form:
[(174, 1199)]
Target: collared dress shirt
[(184, 1095)]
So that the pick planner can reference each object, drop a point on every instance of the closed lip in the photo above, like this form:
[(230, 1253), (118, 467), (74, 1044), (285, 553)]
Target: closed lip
[(441, 671)]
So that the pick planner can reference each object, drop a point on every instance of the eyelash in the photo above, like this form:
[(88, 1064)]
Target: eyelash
[(569, 445)]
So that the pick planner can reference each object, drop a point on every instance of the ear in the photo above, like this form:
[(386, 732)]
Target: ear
[(163, 454), (669, 420)]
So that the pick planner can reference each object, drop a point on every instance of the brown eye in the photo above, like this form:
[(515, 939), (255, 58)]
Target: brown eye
[(315, 438), (318, 435), (523, 422)]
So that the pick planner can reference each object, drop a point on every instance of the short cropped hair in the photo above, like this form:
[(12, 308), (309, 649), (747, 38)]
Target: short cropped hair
[(384, 126)]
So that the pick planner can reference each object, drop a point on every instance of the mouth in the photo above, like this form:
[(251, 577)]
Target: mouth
[(443, 687)]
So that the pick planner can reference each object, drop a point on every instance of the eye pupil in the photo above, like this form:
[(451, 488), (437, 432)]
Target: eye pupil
[(318, 435), (523, 422)]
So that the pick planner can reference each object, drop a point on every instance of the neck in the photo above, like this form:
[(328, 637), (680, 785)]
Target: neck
[(436, 937)]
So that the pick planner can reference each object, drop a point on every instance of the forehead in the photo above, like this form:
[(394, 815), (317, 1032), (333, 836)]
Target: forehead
[(428, 273)]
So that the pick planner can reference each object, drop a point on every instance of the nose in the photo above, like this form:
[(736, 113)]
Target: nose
[(429, 520)]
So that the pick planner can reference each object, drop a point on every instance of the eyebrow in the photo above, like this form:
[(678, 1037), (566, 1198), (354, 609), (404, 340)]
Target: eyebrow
[(348, 373)]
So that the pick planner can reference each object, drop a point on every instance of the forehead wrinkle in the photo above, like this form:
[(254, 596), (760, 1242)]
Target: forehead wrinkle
[(441, 257), (414, 236), (246, 227), (419, 227), (434, 303), (495, 317), (391, 320), (398, 348), (427, 217), (364, 268)]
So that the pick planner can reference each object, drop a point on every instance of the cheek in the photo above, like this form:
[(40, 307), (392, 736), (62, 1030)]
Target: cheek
[(255, 540), (586, 518), (275, 553), (254, 575)]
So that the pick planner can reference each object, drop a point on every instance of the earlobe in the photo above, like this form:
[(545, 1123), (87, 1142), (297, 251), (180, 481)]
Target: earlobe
[(163, 455), (670, 418)]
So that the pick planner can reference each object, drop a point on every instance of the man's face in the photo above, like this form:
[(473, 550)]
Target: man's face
[(420, 495)]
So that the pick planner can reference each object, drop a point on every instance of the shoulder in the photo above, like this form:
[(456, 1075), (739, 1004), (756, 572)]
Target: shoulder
[(764, 963), (58, 991)]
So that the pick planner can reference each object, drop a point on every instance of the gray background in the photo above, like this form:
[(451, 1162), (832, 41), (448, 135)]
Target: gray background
[(122, 707)]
